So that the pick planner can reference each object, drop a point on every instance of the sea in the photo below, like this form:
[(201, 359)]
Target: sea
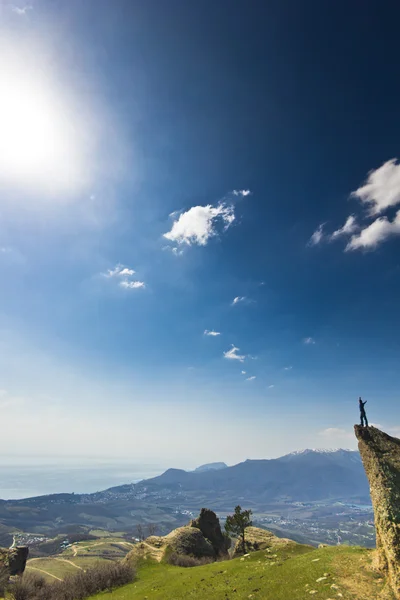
[(26, 478)]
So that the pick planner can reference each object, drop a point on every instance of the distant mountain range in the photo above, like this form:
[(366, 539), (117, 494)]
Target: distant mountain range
[(305, 476), (301, 477), (215, 466)]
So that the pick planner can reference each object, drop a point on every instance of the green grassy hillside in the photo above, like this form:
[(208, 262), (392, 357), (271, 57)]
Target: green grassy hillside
[(293, 573)]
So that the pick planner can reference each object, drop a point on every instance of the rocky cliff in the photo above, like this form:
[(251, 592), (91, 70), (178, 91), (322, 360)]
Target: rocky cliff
[(380, 454), (14, 559)]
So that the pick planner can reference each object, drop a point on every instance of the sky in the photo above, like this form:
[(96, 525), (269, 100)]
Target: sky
[(199, 228)]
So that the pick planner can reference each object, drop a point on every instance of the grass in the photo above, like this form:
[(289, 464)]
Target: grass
[(295, 572), (81, 555), (103, 533)]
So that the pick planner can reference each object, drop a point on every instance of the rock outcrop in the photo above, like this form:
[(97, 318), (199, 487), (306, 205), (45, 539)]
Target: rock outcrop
[(380, 454), (208, 523), (201, 538), (260, 539), (14, 559)]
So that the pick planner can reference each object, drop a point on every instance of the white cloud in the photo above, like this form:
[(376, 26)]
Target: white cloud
[(289, 368), (232, 354), (174, 249), (348, 228), (382, 188), (126, 272), (250, 378), (308, 340), (198, 224), (243, 372), (317, 236), (132, 285), (119, 270), (21, 10), (211, 332), (335, 432), (239, 299), (271, 386), (242, 193), (375, 233)]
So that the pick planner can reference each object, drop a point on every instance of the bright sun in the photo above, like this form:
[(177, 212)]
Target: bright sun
[(38, 138)]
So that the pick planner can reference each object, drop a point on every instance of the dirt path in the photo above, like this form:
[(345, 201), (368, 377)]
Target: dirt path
[(76, 548), (42, 571), (69, 562), (127, 544)]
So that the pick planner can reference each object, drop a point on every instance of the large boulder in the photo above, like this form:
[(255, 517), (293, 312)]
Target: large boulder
[(208, 523), (260, 539), (380, 454), (14, 559), (190, 541)]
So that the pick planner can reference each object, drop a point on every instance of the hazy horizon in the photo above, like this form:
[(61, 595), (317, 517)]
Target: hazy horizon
[(24, 477)]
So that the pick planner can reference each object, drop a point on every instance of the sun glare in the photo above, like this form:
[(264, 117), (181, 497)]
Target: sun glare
[(39, 136)]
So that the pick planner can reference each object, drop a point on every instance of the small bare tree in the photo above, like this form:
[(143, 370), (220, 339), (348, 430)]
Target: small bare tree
[(151, 529), (140, 532)]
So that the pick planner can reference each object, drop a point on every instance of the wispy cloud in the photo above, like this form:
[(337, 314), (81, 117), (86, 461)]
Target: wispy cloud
[(382, 188), (252, 378), (317, 236), (348, 228), (132, 285), (126, 272), (308, 341), (242, 193), (271, 386), (241, 300), (119, 271), (198, 224), (335, 432), (243, 372), (212, 332), (21, 10), (375, 233), (122, 271), (380, 192), (289, 368), (232, 354)]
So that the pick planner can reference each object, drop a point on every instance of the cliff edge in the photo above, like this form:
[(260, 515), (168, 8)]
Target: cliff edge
[(380, 454)]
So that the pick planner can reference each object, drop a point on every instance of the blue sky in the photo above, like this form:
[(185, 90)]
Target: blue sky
[(160, 160)]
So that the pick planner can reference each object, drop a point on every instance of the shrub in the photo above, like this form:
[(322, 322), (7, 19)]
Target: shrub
[(29, 586), (184, 560), (101, 577), (4, 576)]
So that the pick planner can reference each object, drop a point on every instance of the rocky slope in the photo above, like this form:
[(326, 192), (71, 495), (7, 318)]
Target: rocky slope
[(201, 538), (380, 454)]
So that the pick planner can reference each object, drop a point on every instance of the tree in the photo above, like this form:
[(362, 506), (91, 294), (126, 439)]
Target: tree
[(236, 524), (140, 532), (151, 529)]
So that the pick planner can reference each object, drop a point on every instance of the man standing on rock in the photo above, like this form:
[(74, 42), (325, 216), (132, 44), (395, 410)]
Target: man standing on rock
[(363, 416)]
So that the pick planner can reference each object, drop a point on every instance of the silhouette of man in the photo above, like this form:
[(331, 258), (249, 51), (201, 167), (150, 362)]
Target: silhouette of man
[(363, 416)]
